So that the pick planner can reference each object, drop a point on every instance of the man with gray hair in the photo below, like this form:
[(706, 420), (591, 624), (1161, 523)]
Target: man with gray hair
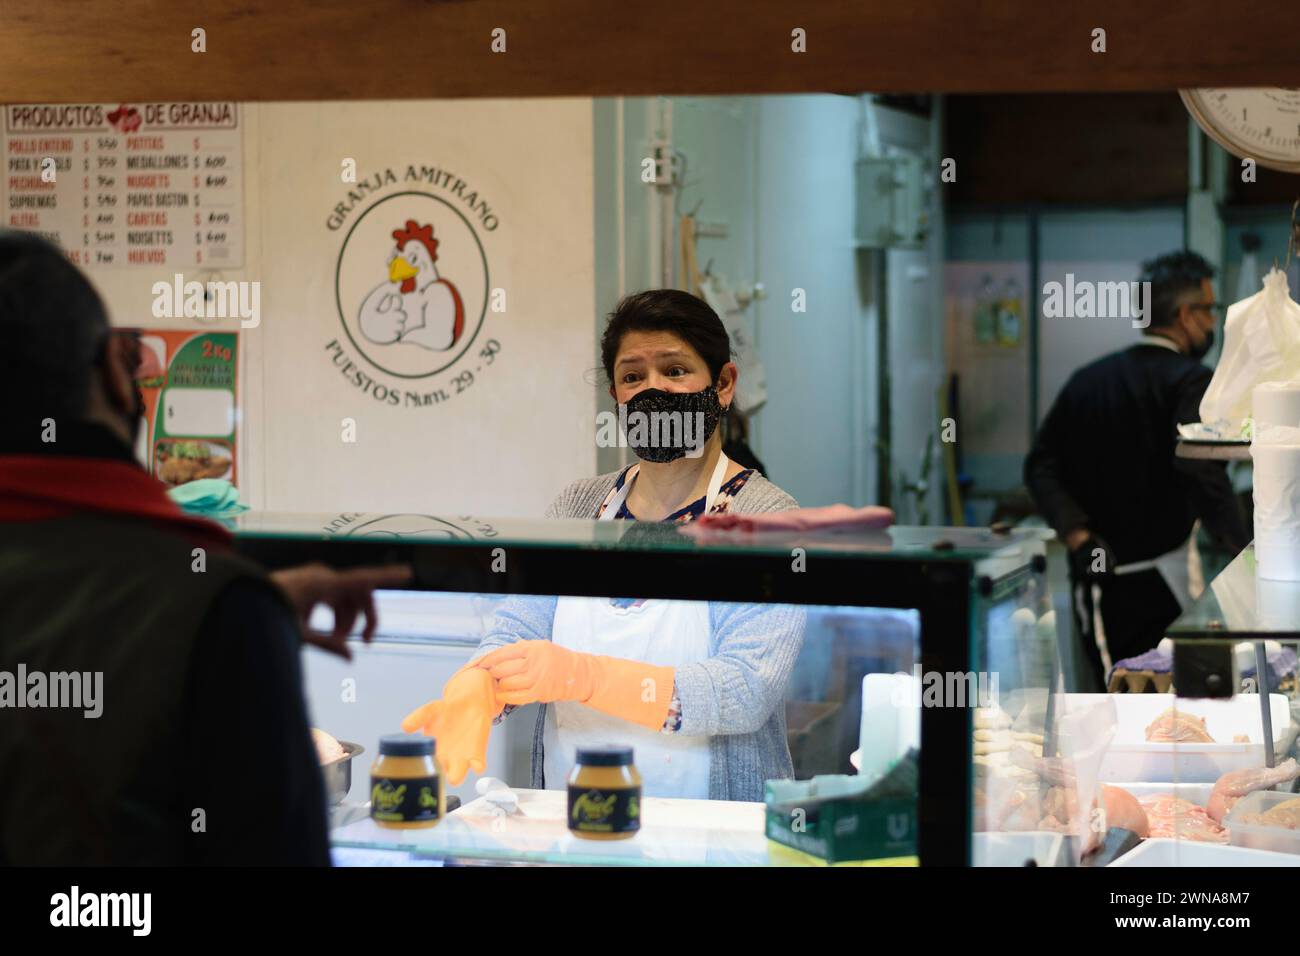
[(1103, 471)]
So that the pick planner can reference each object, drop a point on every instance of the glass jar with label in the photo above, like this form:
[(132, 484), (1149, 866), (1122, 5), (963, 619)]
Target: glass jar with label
[(604, 794), (405, 783)]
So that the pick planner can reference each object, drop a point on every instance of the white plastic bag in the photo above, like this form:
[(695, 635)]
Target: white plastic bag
[(1261, 342)]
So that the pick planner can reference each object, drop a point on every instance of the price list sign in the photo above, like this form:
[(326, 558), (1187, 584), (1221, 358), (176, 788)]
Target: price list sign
[(143, 184)]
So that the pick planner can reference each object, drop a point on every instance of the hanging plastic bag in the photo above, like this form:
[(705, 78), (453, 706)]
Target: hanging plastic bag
[(1261, 342)]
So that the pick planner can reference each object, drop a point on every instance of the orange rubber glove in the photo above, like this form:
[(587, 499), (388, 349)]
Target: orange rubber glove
[(460, 721), (542, 671)]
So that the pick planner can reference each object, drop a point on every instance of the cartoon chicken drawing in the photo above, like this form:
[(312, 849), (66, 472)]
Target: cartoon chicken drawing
[(415, 306)]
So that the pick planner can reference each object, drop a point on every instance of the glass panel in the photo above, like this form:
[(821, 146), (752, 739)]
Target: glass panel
[(912, 543), (1233, 757), (846, 717), (1237, 604), (1025, 786), (1230, 760)]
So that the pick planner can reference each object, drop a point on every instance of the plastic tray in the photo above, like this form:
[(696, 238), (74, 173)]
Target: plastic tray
[(1277, 839), (1131, 758), (1187, 853), (1017, 849)]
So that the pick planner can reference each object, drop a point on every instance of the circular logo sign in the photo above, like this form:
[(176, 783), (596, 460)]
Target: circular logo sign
[(411, 284)]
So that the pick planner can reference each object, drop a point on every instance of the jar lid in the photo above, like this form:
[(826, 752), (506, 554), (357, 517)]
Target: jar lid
[(605, 755), (407, 745)]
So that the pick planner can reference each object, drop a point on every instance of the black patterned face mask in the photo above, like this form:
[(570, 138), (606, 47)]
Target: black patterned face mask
[(663, 426)]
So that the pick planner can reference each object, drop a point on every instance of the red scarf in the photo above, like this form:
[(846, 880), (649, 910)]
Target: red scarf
[(45, 487)]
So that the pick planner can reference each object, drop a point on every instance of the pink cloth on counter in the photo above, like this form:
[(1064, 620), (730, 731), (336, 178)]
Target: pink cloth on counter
[(829, 518)]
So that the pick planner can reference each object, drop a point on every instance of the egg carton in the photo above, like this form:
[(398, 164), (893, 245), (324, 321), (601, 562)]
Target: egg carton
[(1124, 681)]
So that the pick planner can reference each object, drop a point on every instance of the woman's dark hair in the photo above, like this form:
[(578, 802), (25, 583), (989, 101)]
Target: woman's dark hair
[(667, 310)]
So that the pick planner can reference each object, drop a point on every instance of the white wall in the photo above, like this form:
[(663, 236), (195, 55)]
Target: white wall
[(525, 427), (1102, 246), (504, 444), (820, 365)]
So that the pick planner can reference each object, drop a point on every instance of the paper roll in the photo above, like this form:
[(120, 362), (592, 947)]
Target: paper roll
[(1276, 403), (1277, 511), (1278, 606)]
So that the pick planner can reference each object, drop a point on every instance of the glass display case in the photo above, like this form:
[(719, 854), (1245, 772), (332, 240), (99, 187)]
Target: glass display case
[(919, 657), (1236, 716)]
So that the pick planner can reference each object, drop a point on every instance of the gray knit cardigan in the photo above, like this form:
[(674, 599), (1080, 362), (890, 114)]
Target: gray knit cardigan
[(735, 697)]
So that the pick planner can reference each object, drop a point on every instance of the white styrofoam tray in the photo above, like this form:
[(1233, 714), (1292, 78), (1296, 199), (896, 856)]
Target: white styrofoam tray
[(1130, 757)]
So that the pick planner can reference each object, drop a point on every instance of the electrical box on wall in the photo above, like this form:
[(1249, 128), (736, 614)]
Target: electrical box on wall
[(890, 202)]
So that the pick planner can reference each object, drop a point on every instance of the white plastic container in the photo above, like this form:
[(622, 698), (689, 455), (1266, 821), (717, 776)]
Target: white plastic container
[(1130, 757), (1186, 853), (1197, 793), (1277, 839), (890, 722), (1017, 849)]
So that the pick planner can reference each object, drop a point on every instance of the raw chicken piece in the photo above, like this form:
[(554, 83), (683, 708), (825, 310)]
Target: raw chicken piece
[(1286, 815), (1060, 813), (1176, 726), (1056, 771), (327, 748), (1123, 810), (1053, 825), (1172, 817), (1060, 808), (991, 718), (1231, 787), (1018, 812)]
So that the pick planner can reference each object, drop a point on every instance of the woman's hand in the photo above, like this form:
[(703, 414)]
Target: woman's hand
[(529, 672), (542, 671), (460, 721)]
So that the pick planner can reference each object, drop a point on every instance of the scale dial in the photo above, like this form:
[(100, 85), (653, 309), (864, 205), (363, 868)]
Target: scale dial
[(1259, 124)]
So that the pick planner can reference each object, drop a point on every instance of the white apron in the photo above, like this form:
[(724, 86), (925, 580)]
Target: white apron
[(1180, 569), (663, 633)]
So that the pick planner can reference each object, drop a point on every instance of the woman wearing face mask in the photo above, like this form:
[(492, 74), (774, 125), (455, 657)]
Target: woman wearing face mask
[(696, 688)]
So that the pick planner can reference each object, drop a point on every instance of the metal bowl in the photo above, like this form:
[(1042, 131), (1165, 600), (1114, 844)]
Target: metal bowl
[(338, 773)]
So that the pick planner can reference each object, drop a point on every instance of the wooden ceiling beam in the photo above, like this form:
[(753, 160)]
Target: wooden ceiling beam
[(140, 50)]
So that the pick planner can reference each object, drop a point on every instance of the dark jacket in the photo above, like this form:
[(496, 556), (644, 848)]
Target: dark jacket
[(201, 697), (1104, 457)]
